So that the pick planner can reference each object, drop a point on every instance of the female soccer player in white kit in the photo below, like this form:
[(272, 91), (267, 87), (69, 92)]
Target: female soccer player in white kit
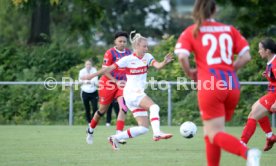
[(136, 100)]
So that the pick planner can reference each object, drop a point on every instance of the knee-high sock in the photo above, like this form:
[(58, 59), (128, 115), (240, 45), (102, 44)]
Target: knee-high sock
[(120, 124), (230, 144), (93, 125), (212, 152), (248, 130), (131, 132), (266, 126), (154, 119)]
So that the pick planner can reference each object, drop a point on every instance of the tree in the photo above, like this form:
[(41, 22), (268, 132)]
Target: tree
[(84, 21), (253, 17), (40, 24), (74, 16), (145, 16), (40, 20)]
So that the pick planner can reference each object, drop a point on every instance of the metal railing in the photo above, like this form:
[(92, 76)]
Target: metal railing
[(169, 89)]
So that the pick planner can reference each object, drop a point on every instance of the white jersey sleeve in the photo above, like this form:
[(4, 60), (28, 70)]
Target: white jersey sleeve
[(123, 62), (150, 59)]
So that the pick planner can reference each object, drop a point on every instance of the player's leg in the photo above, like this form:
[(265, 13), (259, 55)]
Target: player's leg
[(85, 100), (213, 152), (94, 102), (266, 126), (109, 114), (267, 101), (214, 111), (142, 128), (257, 112), (270, 137), (94, 123), (146, 103), (121, 103), (214, 129), (116, 109), (106, 96), (120, 124)]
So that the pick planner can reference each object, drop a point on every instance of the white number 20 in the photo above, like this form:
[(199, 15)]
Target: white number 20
[(223, 39)]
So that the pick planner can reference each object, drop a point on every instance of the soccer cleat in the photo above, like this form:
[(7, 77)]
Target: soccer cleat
[(162, 136), (269, 142), (122, 141), (114, 143), (89, 137), (253, 157)]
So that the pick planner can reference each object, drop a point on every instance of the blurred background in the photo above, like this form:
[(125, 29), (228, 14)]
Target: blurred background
[(52, 38)]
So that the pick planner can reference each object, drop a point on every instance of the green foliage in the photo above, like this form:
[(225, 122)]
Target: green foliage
[(132, 15), (13, 25), (253, 17), (76, 25), (35, 104)]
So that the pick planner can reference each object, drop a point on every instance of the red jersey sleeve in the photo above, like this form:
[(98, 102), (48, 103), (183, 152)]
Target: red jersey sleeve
[(108, 60), (241, 45), (184, 44), (273, 70)]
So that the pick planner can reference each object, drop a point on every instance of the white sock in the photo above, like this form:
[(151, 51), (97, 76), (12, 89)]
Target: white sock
[(268, 135), (154, 119), (131, 132)]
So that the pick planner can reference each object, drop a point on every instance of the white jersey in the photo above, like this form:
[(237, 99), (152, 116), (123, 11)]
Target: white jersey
[(136, 71), (88, 86)]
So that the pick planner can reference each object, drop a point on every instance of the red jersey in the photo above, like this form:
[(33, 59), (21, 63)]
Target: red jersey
[(111, 56), (270, 74), (213, 48)]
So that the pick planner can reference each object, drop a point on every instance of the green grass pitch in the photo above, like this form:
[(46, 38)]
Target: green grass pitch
[(65, 145)]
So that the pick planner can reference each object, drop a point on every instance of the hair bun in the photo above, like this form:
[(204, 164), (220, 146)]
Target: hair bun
[(136, 36)]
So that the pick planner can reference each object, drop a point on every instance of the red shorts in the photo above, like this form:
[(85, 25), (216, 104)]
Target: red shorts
[(218, 103), (268, 100), (108, 91)]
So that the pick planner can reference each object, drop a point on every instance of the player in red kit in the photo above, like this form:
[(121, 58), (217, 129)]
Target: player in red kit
[(110, 85), (214, 45), (266, 104)]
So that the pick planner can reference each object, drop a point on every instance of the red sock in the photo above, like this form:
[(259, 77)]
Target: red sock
[(93, 123), (120, 125), (265, 124), (212, 153), (248, 130), (230, 144)]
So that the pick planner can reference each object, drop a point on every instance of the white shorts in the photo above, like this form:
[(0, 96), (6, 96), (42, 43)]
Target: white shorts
[(133, 100)]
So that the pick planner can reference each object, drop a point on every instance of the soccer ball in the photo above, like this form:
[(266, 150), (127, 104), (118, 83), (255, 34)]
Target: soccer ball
[(188, 129)]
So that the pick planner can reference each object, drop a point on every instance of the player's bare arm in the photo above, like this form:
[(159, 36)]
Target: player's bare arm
[(167, 59), (185, 65), (242, 60), (108, 75), (100, 72)]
